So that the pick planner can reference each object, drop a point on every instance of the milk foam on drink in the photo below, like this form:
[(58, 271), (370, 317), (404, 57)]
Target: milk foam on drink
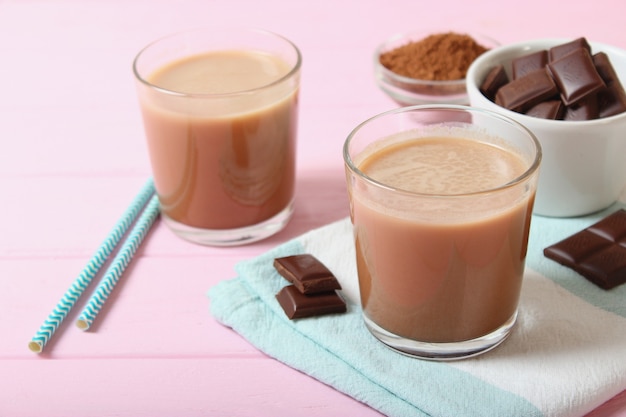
[(433, 264), (222, 138)]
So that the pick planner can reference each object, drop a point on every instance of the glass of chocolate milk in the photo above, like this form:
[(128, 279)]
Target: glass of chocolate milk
[(441, 200), (220, 115)]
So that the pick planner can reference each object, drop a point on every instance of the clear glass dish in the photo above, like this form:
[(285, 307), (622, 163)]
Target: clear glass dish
[(408, 91)]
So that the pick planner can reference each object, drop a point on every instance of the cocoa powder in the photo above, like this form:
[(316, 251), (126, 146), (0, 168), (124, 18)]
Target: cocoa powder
[(443, 56)]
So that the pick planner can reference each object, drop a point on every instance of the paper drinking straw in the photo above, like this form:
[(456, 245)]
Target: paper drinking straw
[(54, 320), (119, 264)]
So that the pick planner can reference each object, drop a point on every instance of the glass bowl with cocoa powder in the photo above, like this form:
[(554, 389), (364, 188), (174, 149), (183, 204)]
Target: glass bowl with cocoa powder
[(428, 68)]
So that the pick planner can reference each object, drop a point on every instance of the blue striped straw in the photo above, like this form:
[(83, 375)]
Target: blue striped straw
[(60, 312), (119, 264)]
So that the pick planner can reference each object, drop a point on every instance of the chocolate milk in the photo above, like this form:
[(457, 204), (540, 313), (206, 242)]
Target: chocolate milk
[(222, 148), (436, 275)]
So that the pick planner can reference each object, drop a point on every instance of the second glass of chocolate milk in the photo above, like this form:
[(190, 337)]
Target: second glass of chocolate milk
[(220, 110)]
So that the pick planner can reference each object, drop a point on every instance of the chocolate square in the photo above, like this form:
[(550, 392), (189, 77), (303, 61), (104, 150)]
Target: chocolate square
[(528, 63), (612, 100), (297, 305), (550, 109), (307, 273), (523, 93), (576, 76), (495, 79), (604, 67), (587, 109), (598, 252), (563, 49)]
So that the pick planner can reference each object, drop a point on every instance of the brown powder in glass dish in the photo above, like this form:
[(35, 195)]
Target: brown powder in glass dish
[(438, 57)]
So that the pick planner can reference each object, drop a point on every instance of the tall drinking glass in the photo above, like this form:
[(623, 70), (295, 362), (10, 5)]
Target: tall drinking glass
[(220, 114), (441, 200)]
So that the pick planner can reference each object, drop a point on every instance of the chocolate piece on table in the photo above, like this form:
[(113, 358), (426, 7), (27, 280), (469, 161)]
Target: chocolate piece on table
[(563, 49), (576, 248), (598, 252), (550, 109), (495, 79), (587, 109), (523, 93), (307, 273), (576, 76), (297, 305), (612, 227), (528, 63)]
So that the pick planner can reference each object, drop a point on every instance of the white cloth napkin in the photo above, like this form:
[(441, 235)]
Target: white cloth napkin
[(565, 356)]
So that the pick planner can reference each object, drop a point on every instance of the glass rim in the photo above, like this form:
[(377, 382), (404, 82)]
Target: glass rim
[(530, 170), (295, 68)]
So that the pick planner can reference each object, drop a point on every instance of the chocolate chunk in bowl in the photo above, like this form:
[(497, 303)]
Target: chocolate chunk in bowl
[(576, 76), (525, 92), (564, 48), (552, 109), (528, 63), (495, 79)]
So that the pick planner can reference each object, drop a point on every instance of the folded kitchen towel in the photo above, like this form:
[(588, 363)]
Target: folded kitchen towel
[(565, 356)]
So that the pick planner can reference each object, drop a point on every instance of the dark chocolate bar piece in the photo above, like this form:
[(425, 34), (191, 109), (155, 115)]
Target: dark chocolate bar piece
[(587, 109), (576, 248), (551, 109), (598, 252), (576, 76), (612, 100), (612, 228), (528, 63), (495, 79), (563, 49), (307, 273), (297, 305), (605, 68), (523, 93)]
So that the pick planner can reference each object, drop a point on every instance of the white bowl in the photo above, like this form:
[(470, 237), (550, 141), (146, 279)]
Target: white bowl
[(584, 162)]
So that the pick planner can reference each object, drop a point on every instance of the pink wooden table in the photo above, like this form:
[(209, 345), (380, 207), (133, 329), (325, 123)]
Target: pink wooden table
[(73, 157)]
